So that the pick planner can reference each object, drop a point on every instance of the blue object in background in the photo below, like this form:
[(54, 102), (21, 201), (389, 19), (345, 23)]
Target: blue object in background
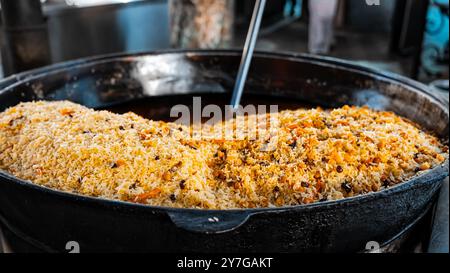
[(135, 23), (436, 40), (291, 9)]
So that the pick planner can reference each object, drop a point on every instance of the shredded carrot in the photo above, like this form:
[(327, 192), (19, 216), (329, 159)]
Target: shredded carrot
[(141, 198), (167, 176), (319, 186), (299, 131), (220, 154), (39, 171), (66, 111), (306, 124), (120, 162), (425, 166)]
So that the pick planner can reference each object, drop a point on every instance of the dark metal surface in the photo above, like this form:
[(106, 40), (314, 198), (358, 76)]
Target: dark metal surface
[(21, 13), (49, 219), (440, 234), (77, 32), (25, 41)]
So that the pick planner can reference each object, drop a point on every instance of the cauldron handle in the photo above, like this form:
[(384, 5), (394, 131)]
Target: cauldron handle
[(209, 222)]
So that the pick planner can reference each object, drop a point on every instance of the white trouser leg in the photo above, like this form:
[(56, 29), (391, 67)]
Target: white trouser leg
[(322, 14)]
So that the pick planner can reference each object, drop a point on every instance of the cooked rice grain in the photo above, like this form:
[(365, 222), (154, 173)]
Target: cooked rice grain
[(318, 155)]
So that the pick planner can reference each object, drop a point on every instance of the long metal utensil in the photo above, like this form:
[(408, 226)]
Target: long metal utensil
[(247, 55)]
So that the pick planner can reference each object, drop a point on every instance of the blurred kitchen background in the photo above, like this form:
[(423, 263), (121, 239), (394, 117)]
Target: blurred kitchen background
[(409, 37)]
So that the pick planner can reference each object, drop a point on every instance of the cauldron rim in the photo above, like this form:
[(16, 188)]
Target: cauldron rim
[(347, 65)]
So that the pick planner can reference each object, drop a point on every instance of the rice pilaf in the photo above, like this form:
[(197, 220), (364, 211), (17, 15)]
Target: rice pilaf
[(318, 155)]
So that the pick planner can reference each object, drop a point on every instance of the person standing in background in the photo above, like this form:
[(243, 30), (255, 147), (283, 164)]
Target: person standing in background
[(206, 24), (321, 25)]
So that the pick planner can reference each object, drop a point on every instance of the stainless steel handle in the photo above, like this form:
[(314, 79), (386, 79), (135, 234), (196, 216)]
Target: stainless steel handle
[(247, 54)]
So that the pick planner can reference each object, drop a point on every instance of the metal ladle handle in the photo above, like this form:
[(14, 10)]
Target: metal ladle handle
[(247, 54)]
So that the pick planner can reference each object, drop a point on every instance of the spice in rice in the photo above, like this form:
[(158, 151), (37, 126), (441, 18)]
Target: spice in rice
[(318, 155)]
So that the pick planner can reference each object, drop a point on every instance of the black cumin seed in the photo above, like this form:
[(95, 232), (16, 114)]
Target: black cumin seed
[(305, 184), (309, 162), (293, 144), (183, 184), (173, 198), (346, 187), (339, 169)]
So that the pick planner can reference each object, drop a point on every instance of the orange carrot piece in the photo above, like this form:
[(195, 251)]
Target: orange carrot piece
[(141, 198)]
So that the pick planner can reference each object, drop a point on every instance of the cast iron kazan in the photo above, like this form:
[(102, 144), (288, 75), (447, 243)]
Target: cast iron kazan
[(48, 219)]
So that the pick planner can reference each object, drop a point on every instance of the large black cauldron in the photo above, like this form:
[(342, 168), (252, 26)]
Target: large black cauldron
[(46, 219)]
